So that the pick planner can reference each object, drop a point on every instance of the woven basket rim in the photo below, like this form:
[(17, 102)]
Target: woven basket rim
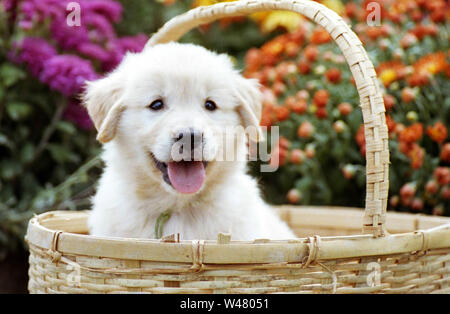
[(259, 251)]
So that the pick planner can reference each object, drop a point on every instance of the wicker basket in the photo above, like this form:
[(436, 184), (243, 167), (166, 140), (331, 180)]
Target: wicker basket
[(390, 257)]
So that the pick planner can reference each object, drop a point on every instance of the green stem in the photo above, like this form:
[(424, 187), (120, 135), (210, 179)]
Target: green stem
[(49, 130)]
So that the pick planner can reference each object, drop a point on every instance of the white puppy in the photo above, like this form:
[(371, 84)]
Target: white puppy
[(143, 110)]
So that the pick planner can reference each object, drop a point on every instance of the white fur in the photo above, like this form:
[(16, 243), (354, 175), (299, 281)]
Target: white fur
[(131, 193)]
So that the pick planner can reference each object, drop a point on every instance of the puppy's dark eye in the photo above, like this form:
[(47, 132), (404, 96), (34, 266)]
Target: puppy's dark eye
[(156, 105), (210, 105)]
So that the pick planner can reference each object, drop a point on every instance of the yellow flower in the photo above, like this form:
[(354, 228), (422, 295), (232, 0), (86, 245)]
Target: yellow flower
[(335, 5), (431, 64), (269, 20), (259, 16), (285, 19), (388, 76)]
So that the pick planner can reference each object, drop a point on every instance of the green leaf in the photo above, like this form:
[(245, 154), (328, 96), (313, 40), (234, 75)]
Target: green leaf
[(62, 154), (18, 110), (45, 199), (2, 92), (11, 74), (66, 127), (4, 141), (27, 152), (9, 169)]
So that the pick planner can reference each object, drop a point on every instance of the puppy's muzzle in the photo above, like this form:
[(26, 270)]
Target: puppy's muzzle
[(188, 145)]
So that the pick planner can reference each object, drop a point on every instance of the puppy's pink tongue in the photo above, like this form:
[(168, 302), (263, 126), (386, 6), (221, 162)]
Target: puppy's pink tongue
[(186, 176)]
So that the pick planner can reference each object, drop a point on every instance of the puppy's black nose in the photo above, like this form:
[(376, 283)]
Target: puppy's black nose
[(195, 137)]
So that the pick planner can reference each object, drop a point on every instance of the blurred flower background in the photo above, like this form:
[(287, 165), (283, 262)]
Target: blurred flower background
[(47, 141)]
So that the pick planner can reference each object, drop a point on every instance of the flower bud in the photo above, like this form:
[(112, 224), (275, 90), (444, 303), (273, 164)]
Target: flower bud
[(339, 126), (412, 116), (305, 130), (294, 196)]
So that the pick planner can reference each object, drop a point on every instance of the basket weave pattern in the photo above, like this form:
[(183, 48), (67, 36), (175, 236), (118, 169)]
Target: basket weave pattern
[(346, 264), (63, 259)]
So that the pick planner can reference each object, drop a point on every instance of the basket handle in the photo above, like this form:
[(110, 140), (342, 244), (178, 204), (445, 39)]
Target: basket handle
[(371, 100)]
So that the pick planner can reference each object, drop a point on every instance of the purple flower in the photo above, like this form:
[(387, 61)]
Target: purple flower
[(112, 10), (94, 51), (67, 73), (66, 36), (133, 43), (95, 15), (34, 52), (8, 4), (94, 32), (77, 114), (118, 47), (99, 26), (38, 10)]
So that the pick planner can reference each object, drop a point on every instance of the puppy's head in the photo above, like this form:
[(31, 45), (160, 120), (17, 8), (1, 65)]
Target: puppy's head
[(169, 110)]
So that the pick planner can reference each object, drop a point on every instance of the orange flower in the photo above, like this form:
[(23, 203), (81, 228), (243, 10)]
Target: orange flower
[(333, 75), (377, 31), (278, 88), (389, 101), (266, 116), (434, 5), (305, 129), (419, 79), (281, 113), (420, 31), (416, 155), (360, 139), (438, 16), (391, 124), (408, 190), (404, 147), (311, 53), (417, 204), (445, 152), (284, 143), (431, 64), (411, 134), (277, 157), (437, 132), (408, 94), (294, 196), (253, 60), (403, 6), (345, 108), (292, 49), (304, 67), (299, 106), (391, 71), (321, 113), (297, 156), (279, 152), (320, 36), (321, 97), (408, 40), (273, 49), (442, 175), (351, 9)]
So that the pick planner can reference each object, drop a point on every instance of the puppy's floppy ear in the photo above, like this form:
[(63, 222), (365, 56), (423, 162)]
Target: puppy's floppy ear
[(250, 106), (104, 105)]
